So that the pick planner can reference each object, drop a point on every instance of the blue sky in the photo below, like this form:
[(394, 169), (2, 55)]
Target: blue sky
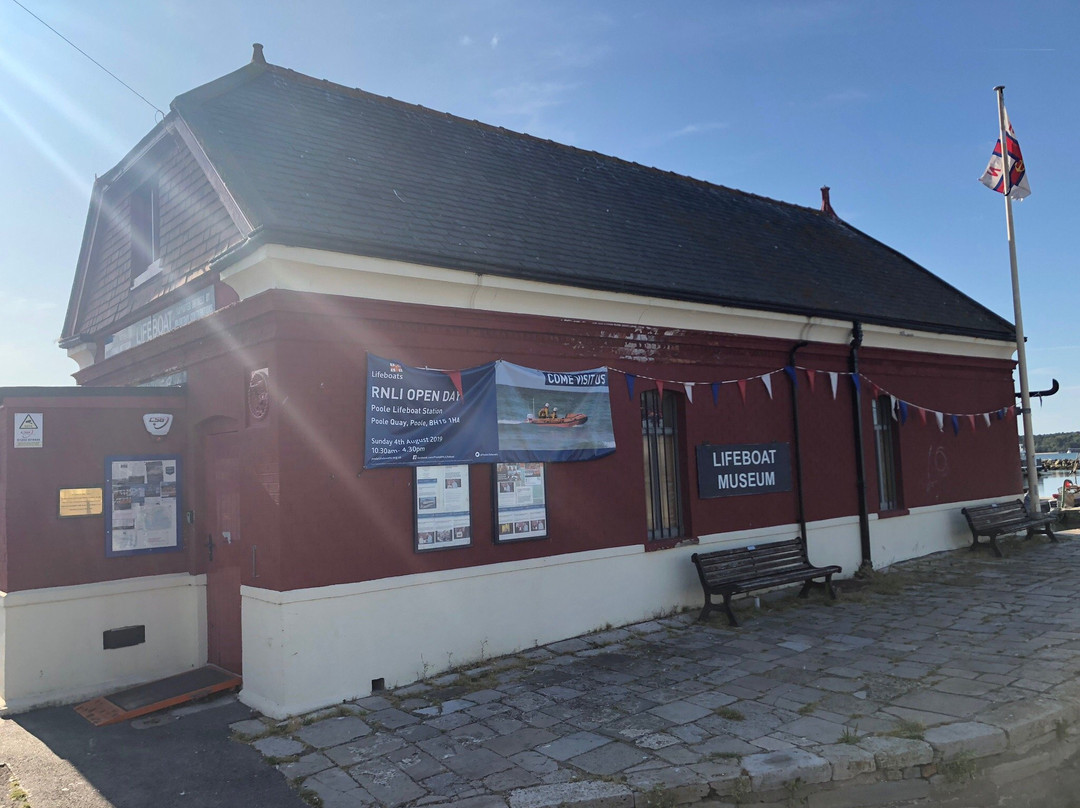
[(889, 103)]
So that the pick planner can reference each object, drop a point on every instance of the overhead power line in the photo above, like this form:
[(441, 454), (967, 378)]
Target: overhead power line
[(91, 58)]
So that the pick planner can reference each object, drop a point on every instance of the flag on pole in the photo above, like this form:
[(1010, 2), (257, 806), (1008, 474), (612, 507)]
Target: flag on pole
[(994, 176)]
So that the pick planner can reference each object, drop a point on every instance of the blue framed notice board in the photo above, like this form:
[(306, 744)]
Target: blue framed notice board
[(142, 504)]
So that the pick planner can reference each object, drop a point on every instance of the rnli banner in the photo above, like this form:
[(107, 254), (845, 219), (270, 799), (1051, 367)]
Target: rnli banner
[(418, 417), (552, 416), (497, 412)]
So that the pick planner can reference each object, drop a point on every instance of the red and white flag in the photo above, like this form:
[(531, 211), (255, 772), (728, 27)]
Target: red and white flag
[(994, 176)]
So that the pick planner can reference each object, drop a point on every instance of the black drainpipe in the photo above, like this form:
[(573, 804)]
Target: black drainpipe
[(799, 503), (860, 466)]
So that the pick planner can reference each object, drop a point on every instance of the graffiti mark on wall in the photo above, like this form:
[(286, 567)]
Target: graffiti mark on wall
[(937, 467)]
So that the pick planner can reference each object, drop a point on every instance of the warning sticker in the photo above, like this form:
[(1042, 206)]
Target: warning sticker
[(29, 430)]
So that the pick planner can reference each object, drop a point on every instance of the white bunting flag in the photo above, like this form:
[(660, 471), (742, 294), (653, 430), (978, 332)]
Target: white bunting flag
[(767, 379), (689, 388), (893, 408), (940, 421), (986, 417), (834, 379)]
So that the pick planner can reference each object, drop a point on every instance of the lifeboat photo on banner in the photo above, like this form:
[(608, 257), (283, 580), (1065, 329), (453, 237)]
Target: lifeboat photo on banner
[(553, 415)]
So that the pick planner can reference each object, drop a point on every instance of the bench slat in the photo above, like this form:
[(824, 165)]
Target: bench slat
[(738, 570), (1004, 518)]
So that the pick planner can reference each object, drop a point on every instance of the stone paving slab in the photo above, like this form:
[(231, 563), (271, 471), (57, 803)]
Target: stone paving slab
[(871, 698)]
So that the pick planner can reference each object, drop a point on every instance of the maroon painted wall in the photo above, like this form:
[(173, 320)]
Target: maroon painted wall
[(38, 548), (319, 518)]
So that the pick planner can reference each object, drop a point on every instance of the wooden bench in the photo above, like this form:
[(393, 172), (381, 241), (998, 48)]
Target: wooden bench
[(760, 566), (1003, 519)]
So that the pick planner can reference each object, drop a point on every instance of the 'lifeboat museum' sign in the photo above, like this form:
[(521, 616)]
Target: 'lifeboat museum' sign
[(746, 468)]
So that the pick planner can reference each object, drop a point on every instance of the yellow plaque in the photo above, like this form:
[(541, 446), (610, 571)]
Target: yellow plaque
[(80, 501)]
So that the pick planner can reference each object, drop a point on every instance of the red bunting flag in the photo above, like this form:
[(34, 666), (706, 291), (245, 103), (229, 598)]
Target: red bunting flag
[(742, 389), (922, 415), (660, 389), (455, 377), (810, 377), (972, 419)]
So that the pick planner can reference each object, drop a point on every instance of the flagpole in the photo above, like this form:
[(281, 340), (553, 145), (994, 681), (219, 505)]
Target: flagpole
[(1034, 504)]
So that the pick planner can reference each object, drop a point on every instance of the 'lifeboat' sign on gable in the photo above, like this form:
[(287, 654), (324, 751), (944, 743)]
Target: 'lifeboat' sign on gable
[(744, 468)]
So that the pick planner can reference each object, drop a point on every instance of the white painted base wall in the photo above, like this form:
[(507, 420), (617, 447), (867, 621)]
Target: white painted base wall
[(310, 648), (921, 532), (51, 639)]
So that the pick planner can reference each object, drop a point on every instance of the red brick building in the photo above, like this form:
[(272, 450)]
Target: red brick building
[(274, 230)]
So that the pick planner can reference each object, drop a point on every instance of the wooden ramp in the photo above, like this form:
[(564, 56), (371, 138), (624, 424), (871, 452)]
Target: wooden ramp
[(160, 695)]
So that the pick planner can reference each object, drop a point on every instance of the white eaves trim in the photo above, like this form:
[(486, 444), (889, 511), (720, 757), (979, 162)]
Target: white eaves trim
[(301, 269)]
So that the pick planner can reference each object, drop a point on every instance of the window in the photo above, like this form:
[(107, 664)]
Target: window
[(144, 228), (887, 441), (663, 486)]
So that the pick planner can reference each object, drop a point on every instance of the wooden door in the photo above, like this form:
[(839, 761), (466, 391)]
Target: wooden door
[(223, 551)]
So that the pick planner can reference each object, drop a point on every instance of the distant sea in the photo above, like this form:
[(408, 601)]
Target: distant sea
[(1057, 455)]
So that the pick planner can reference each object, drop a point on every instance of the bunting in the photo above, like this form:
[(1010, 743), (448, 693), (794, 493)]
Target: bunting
[(900, 409), (455, 377)]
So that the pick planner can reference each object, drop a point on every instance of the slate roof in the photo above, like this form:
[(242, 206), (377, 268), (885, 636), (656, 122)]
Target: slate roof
[(320, 165)]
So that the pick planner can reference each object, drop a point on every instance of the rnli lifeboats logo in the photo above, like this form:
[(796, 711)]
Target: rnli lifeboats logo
[(158, 424)]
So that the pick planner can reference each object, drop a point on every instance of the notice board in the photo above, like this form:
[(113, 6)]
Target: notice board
[(142, 504)]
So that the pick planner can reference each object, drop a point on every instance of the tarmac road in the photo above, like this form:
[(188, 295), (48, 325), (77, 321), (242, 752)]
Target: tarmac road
[(180, 759)]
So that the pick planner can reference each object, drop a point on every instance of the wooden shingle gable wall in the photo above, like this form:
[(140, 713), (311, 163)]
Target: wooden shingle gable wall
[(192, 227)]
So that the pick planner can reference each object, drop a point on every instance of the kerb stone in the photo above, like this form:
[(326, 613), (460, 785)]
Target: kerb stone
[(1024, 721), (585, 794), (847, 760), (773, 769), (677, 785), (980, 740), (851, 796), (898, 753)]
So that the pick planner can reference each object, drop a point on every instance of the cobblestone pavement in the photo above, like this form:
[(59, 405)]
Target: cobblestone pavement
[(935, 672)]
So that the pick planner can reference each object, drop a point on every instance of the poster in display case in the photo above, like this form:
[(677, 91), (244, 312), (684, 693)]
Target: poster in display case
[(441, 508), (142, 504), (521, 502)]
